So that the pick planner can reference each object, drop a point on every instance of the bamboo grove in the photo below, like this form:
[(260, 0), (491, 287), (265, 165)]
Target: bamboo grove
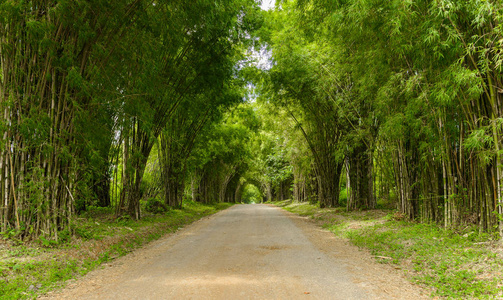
[(136, 104), (400, 103), (89, 88)]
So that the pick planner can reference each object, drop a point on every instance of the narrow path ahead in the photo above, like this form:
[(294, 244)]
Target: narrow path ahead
[(245, 252)]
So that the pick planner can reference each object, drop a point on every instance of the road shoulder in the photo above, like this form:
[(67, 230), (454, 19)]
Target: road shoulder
[(385, 281)]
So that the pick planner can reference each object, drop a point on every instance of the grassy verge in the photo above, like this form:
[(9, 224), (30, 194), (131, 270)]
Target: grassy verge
[(456, 264), (29, 270)]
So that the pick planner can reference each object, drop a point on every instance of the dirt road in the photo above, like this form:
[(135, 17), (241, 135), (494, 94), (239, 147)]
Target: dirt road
[(245, 252)]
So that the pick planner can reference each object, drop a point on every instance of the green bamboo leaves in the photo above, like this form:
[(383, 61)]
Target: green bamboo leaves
[(87, 88), (414, 89)]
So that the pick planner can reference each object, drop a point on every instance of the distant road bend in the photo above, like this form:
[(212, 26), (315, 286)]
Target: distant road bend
[(245, 252)]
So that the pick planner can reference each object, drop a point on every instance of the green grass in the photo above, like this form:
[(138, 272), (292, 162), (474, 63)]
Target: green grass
[(27, 271), (456, 264), (302, 208)]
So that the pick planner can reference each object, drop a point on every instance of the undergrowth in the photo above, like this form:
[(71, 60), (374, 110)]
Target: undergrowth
[(31, 269), (455, 264)]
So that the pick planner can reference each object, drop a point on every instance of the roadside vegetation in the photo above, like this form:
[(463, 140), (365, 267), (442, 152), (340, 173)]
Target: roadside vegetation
[(31, 269), (455, 264)]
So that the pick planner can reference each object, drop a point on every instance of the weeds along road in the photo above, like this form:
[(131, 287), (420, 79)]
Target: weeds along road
[(245, 252)]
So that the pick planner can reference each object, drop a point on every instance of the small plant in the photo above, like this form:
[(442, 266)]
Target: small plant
[(83, 232), (156, 206), (48, 243), (123, 220), (10, 233)]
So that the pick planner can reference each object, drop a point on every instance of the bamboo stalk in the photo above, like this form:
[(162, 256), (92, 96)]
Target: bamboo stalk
[(13, 190)]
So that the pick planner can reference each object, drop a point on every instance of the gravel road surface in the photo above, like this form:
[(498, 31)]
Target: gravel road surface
[(245, 252)]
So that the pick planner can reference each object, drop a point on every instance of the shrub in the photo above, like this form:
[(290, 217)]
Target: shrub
[(156, 206)]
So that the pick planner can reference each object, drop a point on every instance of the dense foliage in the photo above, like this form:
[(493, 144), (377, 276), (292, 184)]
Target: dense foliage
[(136, 104), (87, 88), (404, 97)]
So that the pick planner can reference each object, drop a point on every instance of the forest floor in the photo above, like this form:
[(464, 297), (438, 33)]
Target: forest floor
[(453, 263), (245, 252), (30, 269)]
